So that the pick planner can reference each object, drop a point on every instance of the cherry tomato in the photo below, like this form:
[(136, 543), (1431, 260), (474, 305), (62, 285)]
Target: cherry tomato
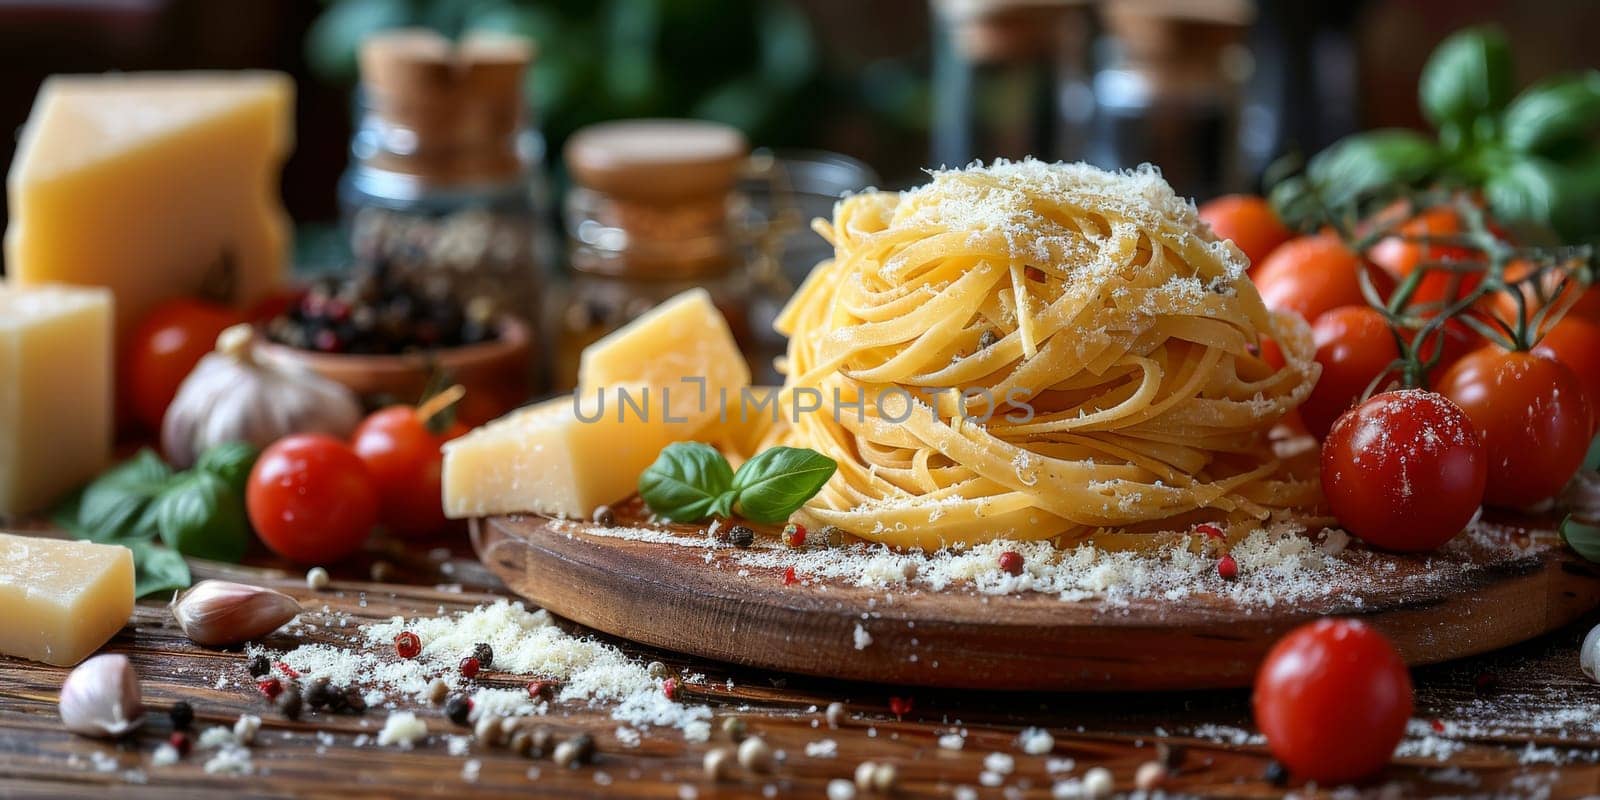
[(311, 499), (1404, 470), (163, 350), (1315, 274), (1249, 221), (1575, 341), (1333, 698), (1354, 346), (404, 460), (1533, 416)]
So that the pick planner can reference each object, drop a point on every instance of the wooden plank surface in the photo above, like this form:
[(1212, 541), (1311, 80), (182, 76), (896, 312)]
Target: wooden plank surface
[(1520, 722), (697, 592)]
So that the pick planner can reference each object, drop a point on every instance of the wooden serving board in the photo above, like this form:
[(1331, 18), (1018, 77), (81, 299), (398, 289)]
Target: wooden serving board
[(677, 597)]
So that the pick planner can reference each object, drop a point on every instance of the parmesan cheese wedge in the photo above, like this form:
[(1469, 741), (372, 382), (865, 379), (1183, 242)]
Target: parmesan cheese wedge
[(62, 599)]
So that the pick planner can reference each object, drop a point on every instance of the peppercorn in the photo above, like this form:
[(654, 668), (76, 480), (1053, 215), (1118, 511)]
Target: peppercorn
[(458, 708), (407, 645), (290, 704), (834, 714), (741, 536), (734, 728), (986, 340), (521, 743), (1276, 774), (317, 694), (469, 667), (484, 653), (541, 689), (488, 731), (794, 535), (717, 764), (1011, 562), (605, 516), (669, 687), (575, 751), (831, 536), (271, 687), (180, 742), (657, 670), (354, 702), (181, 714), (1228, 568), (541, 737), (1171, 755), (755, 754), (259, 666), (437, 690)]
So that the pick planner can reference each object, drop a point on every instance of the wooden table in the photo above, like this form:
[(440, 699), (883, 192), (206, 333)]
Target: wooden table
[(1520, 722)]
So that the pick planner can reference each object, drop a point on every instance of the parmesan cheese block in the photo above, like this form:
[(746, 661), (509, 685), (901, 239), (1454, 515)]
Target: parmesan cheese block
[(62, 599), (153, 184), (563, 458), (552, 458), (55, 392)]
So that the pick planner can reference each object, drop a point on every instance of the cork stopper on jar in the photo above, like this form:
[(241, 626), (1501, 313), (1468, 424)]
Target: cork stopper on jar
[(450, 111)]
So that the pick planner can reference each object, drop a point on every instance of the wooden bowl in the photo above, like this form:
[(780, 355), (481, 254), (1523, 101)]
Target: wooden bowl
[(496, 373)]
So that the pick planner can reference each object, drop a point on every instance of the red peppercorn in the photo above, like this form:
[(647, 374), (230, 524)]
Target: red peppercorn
[(1011, 562), (287, 670), (794, 535), (669, 687), (1210, 531), (788, 577), (1437, 725), (180, 742), (538, 688), (407, 645), (469, 667), (1228, 568), (271, 687), (900, 706)]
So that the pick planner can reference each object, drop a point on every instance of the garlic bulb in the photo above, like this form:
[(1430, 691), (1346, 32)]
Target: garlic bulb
[(216, 613), (230, 397), (101, 697)]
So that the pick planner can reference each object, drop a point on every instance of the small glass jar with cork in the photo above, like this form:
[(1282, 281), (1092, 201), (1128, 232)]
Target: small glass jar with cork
[(445, 189), (653, 210)]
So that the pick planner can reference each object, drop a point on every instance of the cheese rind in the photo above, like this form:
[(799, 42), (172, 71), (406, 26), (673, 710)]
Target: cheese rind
[(62, 599), (55, 392), (153, 184)]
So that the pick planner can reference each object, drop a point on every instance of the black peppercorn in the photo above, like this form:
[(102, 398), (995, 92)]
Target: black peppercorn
[(605, 516), (741, 536), (290, 704), (484, 653), (259, 666), (458, 708), (1276, 774), (317, 693), (354, 702), (182, 714), (1170, 755)]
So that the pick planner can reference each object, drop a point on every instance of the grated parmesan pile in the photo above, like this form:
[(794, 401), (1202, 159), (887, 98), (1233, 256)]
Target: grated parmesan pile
[(525, 643)]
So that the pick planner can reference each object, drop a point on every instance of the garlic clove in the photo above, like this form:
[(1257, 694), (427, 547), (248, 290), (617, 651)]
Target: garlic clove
[(216, 613), (101, 697)]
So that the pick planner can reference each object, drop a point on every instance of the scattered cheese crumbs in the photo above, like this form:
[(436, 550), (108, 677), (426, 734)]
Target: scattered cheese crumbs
[(103, 762), (965, 793), (245, 728), (403, 729), (1069, 789), (862, 638), (841, 789), (216, 736), (952, 741), (470, 770), (230, 760), (166, 755), (628, 737), (991, 779), (1036, 741), (1057, 766), (458, 745), (822, 748), (999, 762)]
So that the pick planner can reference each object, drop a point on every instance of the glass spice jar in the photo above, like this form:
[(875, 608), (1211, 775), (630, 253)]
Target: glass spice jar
[(445, 188), (653, 211)]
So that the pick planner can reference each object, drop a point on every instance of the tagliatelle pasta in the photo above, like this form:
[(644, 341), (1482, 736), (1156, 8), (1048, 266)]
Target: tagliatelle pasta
[(1038, 351)]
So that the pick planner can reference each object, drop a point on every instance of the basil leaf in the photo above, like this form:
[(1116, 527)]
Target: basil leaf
[(113, 507), (779, 480), (158, 569), (230, 461), (1467, 76), (1365, 163), (1553, 114), (200, 516), (1528, 191), (1583, 539), (686, 482)]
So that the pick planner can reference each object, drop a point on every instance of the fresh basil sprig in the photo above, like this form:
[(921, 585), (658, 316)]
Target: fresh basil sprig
[(1535, 155), (1583, 539), (691, 481), (197, 513)]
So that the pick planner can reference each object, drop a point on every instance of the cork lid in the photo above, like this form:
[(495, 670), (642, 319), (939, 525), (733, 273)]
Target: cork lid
[(657, 160)]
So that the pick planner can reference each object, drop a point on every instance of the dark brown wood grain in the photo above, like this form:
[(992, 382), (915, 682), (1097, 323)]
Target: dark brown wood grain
[(1534, 694), (1029, 641)]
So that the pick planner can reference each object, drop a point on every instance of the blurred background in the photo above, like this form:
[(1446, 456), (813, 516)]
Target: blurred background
[(830, 95)]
